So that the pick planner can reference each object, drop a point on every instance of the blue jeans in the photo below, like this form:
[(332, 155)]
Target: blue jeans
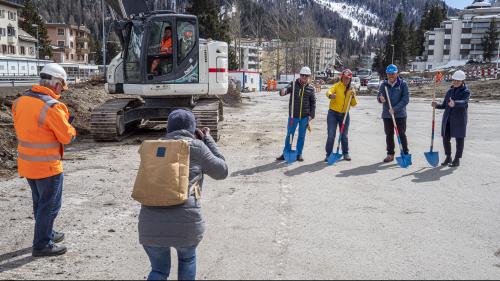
[(160, 262), (47, 200), (334, 120), (302, 123)]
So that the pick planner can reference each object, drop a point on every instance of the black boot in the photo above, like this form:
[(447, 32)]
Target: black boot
[(455, 163), (300, 158), (447, 161), (281, 158), (50, 251)]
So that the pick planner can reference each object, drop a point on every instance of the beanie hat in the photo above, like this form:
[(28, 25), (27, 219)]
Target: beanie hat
[(181, 119)]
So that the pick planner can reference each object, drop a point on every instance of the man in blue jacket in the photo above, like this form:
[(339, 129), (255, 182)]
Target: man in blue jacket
[(400, 97)]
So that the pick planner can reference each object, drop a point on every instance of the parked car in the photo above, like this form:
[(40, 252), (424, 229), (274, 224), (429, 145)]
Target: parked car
[(356, 83), (373, 84)]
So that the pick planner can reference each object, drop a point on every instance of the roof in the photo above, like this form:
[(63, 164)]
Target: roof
[(11, 3), (23, 35)]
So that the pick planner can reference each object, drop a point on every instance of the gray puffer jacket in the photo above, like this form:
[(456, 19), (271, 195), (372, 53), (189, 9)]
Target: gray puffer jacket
[(183, 225)]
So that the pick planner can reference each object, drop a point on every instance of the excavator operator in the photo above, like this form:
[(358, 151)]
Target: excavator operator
[(166, 49)]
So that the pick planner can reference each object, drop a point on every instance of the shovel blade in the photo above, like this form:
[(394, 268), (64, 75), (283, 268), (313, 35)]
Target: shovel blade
[(404, 161), (432, 158), (290, 156), (334, 158)]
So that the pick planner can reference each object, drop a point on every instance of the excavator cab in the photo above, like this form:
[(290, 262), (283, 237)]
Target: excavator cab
[(166, 66), (161, 48)]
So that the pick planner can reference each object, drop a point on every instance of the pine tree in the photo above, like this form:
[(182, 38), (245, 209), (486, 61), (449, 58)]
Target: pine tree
[(208, 18), (29, 17), (489, 41), (398, 38)]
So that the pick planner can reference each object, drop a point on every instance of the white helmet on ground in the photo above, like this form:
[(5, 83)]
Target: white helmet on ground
[(54, 70), (459, 76), (305, 71)]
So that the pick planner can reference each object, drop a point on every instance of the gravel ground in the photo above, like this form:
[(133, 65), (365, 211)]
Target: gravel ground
[(355, 220)]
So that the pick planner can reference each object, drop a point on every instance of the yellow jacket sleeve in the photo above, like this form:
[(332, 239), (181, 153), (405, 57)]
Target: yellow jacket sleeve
[(354, 100), (332, 90)]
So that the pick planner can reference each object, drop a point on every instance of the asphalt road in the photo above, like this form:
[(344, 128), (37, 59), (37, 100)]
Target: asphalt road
[(355, 220)]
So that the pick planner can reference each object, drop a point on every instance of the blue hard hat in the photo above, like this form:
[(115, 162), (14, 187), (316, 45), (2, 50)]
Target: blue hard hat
[(391, 69)]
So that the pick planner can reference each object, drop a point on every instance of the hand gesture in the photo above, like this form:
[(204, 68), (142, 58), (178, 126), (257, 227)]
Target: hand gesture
[(391, 111), (332, 96), (434, 104), (382, 99), (451, 103), (206, 131), (283, 92)]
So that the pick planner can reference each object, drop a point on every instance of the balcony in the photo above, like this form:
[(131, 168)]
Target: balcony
[(80, 39), (82, 51)]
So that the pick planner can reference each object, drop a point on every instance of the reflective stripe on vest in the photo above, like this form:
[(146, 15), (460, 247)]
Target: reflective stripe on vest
[(38, 145), (39, 158), (49, 103)]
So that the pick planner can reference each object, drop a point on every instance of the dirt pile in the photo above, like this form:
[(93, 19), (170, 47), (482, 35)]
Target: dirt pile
[(233, 97), (81, 100), (483, 90)]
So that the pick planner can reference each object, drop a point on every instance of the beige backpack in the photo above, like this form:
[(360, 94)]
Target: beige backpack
[(163, 177)]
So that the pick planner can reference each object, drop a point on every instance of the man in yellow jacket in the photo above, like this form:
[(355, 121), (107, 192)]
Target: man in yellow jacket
[(42, 125), (339, 96)]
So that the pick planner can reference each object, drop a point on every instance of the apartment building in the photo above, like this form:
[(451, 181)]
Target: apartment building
[(248, 54), (17, 48), (70, 43), (459, 39)]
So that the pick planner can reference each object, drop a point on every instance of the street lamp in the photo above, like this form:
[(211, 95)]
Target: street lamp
[(103, 37), (392, 53), (37, 47)]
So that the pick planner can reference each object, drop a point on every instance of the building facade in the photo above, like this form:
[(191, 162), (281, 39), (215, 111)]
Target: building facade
[(70, 43), (459, 39), (248, 55), (17, 48)]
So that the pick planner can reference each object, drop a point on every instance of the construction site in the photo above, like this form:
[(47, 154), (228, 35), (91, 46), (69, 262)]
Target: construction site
[(359, 219)]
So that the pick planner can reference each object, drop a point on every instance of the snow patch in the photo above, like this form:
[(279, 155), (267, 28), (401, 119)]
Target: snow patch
[(357, 15)]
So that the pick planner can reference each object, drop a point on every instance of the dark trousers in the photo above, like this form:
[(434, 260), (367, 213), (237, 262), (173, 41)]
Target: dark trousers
[(389, 135), (447, 144), (47, 198)]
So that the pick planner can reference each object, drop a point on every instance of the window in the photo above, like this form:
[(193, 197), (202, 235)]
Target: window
[(466, 30), (72, 57), (160, 52), (32, 51), (12, 16), (2, 14), (2, 67), (446, 52), (4, 49), (13, 68), (187, 36), (430, 52), (447, 41), (71, 32), (71, 45), (11, 31), (3, 32), (60, 43), (23, 68), (60, 31), (447, 31), (132, 69), (465, 41), (23, 50), (431, 42)]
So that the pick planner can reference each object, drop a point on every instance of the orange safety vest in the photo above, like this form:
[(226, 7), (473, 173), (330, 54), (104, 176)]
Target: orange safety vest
[(166, 46), (42, 129)]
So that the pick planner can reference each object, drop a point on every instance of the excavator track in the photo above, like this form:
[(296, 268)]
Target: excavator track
[(107, 121), (208, 114)]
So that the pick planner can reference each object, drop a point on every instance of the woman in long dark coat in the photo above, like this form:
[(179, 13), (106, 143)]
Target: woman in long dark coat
[(455, 105)]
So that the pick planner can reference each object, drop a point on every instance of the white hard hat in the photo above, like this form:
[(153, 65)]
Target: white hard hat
[(305, 71), (459, 76), (56, 71)]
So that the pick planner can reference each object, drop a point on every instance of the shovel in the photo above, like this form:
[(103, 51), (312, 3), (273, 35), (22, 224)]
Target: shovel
[(335, 157), (289, 154), (432, 156), (404, 161)]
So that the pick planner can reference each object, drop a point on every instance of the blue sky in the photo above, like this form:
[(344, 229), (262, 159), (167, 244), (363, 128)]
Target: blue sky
[(460, 4)]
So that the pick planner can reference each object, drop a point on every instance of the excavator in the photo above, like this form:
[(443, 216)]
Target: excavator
[(164, 66)]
